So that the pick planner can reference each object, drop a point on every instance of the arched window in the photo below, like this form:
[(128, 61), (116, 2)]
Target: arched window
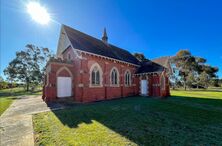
[(114, 77), (95, 75), (127, 78)]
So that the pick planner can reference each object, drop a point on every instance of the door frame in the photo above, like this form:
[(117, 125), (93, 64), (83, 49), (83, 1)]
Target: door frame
[(70, 75), (57, 91), (141, 87)]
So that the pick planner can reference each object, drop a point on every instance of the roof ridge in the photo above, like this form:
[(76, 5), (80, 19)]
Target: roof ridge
[(162, 57), (92, 44), (107, 44), (83, 33)]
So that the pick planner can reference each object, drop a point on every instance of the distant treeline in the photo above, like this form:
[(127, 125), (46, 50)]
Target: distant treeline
[(7, 85)]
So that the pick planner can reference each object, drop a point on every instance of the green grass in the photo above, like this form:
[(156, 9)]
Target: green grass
[(4, 104), (210, 94), (8, 95), (186, 118)]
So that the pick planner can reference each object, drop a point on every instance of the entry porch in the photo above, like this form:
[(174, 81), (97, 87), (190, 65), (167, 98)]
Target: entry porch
[(154, 84)]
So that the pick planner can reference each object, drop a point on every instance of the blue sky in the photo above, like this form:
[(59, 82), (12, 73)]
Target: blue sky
[(153, 27)]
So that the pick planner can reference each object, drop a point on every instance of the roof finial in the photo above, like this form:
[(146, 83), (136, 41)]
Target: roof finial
[(104, 37)]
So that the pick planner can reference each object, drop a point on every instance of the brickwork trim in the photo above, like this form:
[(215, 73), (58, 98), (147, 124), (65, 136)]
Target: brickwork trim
[(108, 58), (64, 68)]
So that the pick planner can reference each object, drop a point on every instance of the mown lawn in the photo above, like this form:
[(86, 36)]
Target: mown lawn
[(8, 95), (186, 118)]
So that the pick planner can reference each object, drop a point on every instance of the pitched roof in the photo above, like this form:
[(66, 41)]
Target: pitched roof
[(149, 66), (164, 61), (84, 42)]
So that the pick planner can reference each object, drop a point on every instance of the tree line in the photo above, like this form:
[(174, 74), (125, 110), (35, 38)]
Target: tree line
[(6, 85)]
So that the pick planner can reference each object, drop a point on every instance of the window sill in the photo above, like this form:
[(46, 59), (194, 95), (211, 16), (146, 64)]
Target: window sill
[(114, 86), (127, 86), (95, 86)]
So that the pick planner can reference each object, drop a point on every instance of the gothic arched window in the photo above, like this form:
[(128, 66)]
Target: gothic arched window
[(96, 75), (127, 78), (114, 76)]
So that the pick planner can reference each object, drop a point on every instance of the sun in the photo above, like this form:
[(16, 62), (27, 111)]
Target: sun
[(38, 12)]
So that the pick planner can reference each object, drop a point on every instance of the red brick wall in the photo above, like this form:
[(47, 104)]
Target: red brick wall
[(80, 70), (55, 70), (166, 90), (154, 86), (86, 93)]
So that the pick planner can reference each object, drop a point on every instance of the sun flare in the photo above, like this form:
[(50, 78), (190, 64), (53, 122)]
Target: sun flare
[(38, 12)]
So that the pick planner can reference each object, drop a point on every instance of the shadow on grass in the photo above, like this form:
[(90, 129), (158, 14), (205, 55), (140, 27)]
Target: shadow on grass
[(148, 121)]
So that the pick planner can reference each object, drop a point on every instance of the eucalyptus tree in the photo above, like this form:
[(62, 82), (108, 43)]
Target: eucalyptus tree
[(185, 63), (193, 69), (28, 65)]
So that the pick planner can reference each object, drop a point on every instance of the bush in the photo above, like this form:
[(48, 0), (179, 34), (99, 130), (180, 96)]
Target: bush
[(3, 85)]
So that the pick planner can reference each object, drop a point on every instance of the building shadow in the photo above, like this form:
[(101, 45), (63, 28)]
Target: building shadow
[(130, 117)]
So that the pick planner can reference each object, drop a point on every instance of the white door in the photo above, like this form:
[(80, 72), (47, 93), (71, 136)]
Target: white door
[(64, 87), (144, 87)]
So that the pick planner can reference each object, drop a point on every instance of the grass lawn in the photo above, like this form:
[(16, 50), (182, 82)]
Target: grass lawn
[(8, 95), (186, 118)]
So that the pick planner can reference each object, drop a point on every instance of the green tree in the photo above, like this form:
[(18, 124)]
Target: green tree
[(190, 79), (210, 70), (185, 63), (206, 69), (204, 79), (193, 69), (28, 65), (1, 79), (3, 84), (215, 82), (220, 82)]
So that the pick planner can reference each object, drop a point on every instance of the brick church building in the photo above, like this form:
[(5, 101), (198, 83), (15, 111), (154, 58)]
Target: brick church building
[(88, 69)]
